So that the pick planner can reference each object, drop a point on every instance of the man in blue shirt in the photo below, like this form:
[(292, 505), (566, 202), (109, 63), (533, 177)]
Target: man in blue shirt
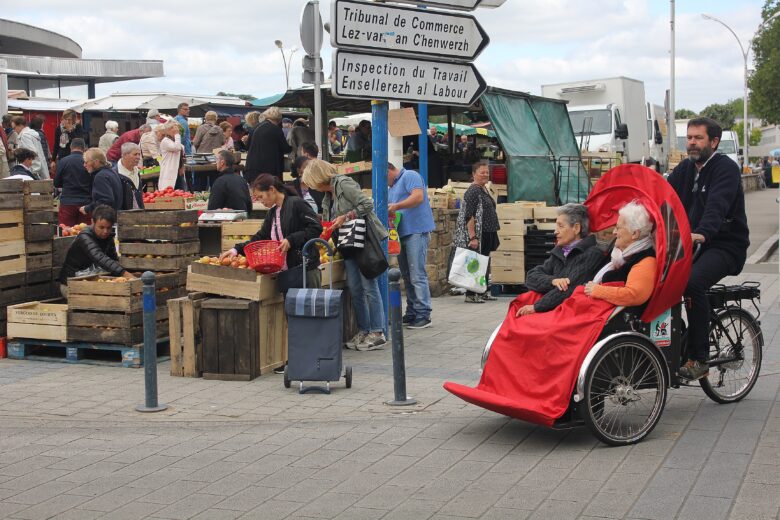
[(183, 119), (408, 195)]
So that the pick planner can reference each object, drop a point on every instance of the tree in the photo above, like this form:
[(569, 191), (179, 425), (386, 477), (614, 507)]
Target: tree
[(755, 134), (765, 80), (245, 97), (723, 114), (684, 113)]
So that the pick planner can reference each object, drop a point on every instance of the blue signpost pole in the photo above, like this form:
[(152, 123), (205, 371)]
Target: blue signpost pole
[(150, 346), (379, 134), (422, 119)]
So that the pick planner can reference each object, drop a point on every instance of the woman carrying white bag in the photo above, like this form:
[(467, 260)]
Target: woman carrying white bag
[(476, 236)]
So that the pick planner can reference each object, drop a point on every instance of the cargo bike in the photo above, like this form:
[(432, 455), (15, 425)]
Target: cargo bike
[(620, 388)]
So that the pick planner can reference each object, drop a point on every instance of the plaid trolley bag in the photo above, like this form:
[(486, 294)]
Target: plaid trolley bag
[(315, 334)]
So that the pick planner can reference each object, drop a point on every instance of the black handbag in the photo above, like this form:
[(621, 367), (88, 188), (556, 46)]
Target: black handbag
[(371, 259)]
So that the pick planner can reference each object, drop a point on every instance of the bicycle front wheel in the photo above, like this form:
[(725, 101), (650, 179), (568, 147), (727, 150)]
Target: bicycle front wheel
[(735, 336)]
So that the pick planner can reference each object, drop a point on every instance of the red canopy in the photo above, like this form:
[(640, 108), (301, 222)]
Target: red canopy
[(628, 182)]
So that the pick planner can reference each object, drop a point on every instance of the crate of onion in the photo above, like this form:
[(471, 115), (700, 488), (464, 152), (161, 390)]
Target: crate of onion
[(158, 240), (105, 309)]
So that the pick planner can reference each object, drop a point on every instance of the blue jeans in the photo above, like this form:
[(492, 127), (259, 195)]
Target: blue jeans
[(366, 301), (414, 252)]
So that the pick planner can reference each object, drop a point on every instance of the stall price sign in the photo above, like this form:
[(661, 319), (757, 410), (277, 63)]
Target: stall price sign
[(367, 76), (384, 28)]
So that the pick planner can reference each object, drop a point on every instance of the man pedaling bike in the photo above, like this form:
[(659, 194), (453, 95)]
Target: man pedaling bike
[(709, 185)]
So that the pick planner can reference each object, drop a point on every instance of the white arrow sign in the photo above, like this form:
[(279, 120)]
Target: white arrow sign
[(463, 5), (366, 76), (380, 27)]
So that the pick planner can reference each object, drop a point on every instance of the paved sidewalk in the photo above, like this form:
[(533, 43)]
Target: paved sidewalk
[(71, 445)]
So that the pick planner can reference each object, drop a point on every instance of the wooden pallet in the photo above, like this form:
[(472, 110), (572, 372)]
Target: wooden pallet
[(82, 352)]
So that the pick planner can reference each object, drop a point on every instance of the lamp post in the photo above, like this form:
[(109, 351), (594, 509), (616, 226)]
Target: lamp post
[(745, 53), (287, 60)]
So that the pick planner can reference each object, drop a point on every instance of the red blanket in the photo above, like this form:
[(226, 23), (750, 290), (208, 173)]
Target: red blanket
[(534, 360)]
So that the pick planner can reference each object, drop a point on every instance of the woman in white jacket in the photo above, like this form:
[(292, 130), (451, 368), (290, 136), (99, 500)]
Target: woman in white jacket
[(170, 151)]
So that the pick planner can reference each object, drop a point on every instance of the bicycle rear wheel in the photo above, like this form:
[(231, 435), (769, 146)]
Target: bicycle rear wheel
[(738, 336)]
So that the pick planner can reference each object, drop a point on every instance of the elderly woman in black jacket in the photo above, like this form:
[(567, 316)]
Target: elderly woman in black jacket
[(291, 221), (574, 260)]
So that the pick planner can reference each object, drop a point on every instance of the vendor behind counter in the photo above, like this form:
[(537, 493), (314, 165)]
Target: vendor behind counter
[(230, 190), (94, 250)]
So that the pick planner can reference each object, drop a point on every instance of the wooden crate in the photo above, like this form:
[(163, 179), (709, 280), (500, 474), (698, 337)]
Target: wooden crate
[(507, 275), (12, 256), (512, 227), (158, 256), (167, 204), (60, 247), (11, 225), (185, 337), (43, 187), (507, 259), (545, 214), (511, 242), (89, 293), (12, 289), (243, 227), (514, 212), (114, 327), (175, 226), (38, 201), (339, 272), (11, 200), (38, 320), (39, 255), (235, 283)]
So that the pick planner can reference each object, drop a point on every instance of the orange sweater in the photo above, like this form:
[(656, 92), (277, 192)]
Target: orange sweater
[(637, 290)]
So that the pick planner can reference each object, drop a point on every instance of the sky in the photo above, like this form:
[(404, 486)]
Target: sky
[(207, 49)]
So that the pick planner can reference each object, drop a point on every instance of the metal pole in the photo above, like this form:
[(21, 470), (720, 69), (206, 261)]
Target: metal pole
[(672, 131), (379, 146), (3, 89), (396, 325), (150, 347), (317, 72), (422, 119), (745, 131)]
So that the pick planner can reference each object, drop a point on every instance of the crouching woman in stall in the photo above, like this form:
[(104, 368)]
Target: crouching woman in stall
[(292, 222), (94, 250)]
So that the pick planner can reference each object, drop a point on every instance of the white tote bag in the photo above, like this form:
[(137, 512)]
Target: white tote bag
[(469, 270)]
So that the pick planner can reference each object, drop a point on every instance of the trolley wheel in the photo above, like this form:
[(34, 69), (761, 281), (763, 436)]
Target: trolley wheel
[(625, 392), (348, 376), (287, 382), (736, 334)]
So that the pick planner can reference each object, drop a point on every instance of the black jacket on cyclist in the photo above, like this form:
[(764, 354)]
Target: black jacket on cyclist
[(715, 204)]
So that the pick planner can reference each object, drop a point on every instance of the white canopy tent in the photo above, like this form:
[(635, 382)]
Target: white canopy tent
[(134, 102)]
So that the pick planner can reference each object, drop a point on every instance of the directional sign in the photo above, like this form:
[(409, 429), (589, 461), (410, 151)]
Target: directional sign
[(384, 28), (366, 76), (462, 5)]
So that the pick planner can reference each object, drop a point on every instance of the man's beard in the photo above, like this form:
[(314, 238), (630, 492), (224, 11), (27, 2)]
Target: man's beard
[(701, 155)]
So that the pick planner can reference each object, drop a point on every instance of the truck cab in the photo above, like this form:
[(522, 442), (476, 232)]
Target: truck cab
[(599, 128)]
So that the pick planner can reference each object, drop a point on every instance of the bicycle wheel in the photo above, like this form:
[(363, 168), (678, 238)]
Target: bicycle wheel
[(625, 392), (739, 337)]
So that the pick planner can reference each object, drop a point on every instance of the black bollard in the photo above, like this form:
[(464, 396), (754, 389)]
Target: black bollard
[(150, 347), (397, 331)]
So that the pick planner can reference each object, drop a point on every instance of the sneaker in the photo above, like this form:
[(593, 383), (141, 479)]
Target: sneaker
[(694, 369), (359, 338), (408, 319), (488, 297), (279, 370), (374, 341), (474, 298), (422, 323)]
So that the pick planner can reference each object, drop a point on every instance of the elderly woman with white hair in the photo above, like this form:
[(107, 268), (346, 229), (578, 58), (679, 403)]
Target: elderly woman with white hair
[(633, 260), (111, 135)]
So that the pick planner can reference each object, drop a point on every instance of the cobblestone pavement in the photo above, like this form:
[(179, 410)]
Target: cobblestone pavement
[(72, 446)]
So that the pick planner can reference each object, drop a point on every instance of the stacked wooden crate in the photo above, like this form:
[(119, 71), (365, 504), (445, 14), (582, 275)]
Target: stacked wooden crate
[(507, 264), (540, 238), (103, 311), (60, 248), (544, 218), (236, 232), (159, 241), (439, 251), (39, 230)]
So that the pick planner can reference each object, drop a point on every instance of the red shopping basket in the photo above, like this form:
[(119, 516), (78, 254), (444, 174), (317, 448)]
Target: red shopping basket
[(264, 256)]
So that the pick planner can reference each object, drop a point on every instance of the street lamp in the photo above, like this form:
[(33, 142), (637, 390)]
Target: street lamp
[(287, 60), (745, 52)]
